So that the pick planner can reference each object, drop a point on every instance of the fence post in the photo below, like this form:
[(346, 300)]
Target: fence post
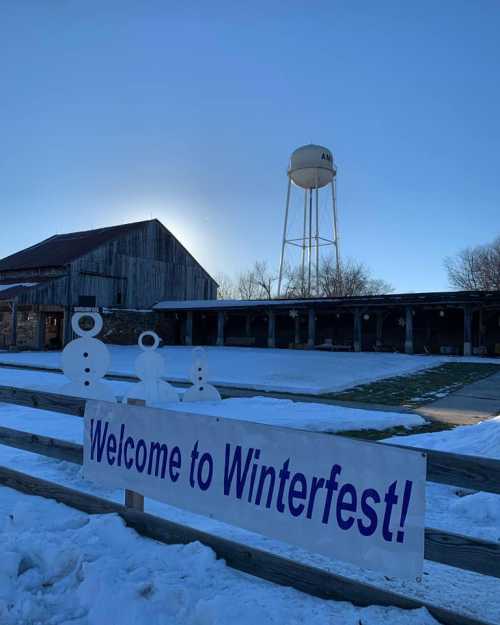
[(132, 499)]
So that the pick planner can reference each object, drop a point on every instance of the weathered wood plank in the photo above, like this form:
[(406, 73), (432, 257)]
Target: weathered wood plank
[(43, 400), (263, 564), (462, 552), (43, 445), (464, 471)]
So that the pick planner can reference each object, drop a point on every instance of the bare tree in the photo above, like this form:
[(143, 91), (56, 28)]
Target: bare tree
[(256, 283), (350, 278), (294, 282), (475, 268), (227, 288)]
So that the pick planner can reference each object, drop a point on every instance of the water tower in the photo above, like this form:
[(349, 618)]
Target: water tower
[(311, 168)]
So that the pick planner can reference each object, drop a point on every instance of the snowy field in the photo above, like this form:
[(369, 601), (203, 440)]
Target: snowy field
[(307, 416), (58, 565), (282, 370), (62, 566)]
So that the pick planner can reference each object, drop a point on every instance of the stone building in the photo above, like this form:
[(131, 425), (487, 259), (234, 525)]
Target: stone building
[(125, 268)]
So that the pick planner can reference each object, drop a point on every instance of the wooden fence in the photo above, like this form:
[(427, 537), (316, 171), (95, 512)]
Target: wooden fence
[(448, 548)]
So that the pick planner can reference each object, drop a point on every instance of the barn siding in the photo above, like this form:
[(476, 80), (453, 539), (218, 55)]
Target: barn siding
[(47, 293), (137, 269), (146, 265)]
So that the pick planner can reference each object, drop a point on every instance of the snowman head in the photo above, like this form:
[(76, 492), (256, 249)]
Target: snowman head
[(149, 366), (90, 332), (85, 359)]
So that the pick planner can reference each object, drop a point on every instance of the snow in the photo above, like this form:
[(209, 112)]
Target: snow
[(282, 370), (305, 416), (453, 509), (64, 586), (63, 566), (301, 415), (196, 304), (5, 287)]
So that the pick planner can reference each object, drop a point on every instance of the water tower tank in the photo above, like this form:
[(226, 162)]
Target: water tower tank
[(311, 167)]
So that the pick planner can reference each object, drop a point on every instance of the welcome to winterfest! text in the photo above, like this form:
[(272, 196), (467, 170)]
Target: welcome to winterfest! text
[(247, 477)]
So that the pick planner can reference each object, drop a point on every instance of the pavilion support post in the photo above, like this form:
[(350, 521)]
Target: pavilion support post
[(67, 329), (408, 330), (189, 328), (40, 330), (311, 328), (220, 328), (248, 325), (482, 329), (467, 331), (271, 329), (13, 323), (357, 333), (296, 324), (380, 326)]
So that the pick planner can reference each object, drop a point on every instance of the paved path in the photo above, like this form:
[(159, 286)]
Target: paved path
[(472, 403)]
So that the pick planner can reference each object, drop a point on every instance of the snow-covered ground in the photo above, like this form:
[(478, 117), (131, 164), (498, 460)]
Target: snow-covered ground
[(62, 566), (283, 370), (306, 416), (83, 569)]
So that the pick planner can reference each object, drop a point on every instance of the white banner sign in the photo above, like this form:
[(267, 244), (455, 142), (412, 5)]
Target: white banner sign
[(356, 501)]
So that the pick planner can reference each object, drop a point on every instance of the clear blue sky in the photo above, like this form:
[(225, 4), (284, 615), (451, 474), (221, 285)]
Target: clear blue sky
[(188, 111)]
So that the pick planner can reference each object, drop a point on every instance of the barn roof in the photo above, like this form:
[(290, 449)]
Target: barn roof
[(61, 249)]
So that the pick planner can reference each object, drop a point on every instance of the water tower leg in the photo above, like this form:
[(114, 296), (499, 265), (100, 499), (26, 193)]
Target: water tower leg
[(317, 242), (335, 232), (309, 255), (303, 275), (283, 243)]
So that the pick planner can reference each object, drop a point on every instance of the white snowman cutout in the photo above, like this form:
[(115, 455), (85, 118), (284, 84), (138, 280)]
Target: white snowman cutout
[(201, 390), (150, 367), (86, 360)]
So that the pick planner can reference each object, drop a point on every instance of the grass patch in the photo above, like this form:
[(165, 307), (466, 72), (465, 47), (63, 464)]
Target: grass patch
[(419, 388), (398, 430)]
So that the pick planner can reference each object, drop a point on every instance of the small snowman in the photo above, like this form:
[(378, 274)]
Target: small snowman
[(86, 360), (150, 367), (201, 390)]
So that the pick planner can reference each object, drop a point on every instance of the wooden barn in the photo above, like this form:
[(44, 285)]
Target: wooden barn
[(131, 266)]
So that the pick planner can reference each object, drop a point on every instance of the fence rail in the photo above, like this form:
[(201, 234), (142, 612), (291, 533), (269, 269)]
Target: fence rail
[(455, 550), (470, 472), (266, 565)]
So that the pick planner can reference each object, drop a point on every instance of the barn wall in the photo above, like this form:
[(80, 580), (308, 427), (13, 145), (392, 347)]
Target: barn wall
[(51, 292), (139, 269)]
